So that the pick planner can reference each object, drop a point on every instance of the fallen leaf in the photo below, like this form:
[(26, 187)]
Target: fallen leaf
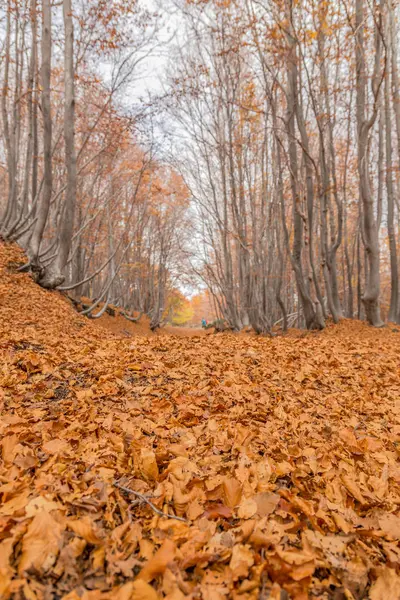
[(148, 464), (387, 586), (390, 524), (15, 505), (241, 560), (40, 503), (218, 511), (86, 529), (41, 544), (232, 492), (56, 446), (248, 508), (143, 591), (158, 563), (266, 503), (353, 489)]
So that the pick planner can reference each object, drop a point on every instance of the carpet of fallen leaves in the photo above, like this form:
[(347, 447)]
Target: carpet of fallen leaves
[(280, 458)]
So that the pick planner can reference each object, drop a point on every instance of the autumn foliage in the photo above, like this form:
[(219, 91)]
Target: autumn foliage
[(222, 466)]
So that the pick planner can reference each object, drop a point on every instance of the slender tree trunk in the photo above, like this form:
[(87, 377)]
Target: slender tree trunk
[(364, 125), (6, 125), (44, 207), (312, 312), (24, 209), (359, 268), (394, 281), (394, 57), (54, 275)]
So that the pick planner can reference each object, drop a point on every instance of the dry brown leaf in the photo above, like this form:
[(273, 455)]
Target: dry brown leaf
[(148, 465), (266, 503), (143, 591), (5, 583), (300, 572), (86, 529), (248, 508), (194, 510), (41, 544), (217, 511), (283, 468), (232, 491), (387, 586), (294, 558), (40, 503), (56, 446), (353, 489), (8, 444), (390, 524), (241, 560), (15, 505), (158, 563)]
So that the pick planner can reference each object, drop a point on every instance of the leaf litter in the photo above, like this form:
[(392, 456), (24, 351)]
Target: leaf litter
[(204, 467)]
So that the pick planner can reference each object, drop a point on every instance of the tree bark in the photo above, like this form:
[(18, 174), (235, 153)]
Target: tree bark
[(312, 315), (394, 281), (364, 124), (394, 57), (44, 207), (54, 274)]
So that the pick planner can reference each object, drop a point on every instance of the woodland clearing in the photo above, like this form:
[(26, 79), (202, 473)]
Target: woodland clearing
[(279, 456)]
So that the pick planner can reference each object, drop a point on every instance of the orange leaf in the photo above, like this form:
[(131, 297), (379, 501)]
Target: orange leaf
[(158, 563)]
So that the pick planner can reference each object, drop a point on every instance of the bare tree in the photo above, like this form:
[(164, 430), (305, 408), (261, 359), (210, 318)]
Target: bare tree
[(54, 274), (365, 123), (44, 206)]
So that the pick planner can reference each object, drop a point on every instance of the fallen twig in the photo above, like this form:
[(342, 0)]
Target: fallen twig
[(143, 498)]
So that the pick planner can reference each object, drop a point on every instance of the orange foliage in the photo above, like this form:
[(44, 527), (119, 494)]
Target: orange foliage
[(215, 466)]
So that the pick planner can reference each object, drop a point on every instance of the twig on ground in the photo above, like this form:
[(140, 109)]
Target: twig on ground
[(143, 498)]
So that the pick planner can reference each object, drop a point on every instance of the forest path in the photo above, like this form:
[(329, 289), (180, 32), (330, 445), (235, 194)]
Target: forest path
[(120, 326), (274, 461)]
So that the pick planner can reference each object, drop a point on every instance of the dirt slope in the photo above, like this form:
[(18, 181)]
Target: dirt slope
[(280, 458)]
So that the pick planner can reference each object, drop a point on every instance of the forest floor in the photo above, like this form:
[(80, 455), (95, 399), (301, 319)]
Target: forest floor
[(120, 326), (274, 461)]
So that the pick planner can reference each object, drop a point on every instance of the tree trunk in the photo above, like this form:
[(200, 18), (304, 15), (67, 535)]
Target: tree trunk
[(364, 125), (394, 56), (44, 207), (54, 274), (6, 126), (311, 314), (394, 281)]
